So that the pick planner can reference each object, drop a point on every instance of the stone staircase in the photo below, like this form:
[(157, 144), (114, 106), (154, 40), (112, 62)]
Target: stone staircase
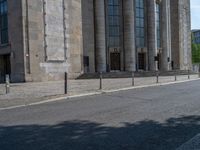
[(136, 74)]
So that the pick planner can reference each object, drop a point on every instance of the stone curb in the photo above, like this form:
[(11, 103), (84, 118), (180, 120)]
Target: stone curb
[(96, 93)]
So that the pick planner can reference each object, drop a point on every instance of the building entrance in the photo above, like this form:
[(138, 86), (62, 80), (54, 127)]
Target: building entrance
[(115, 61), (4, 67), (141, 61), (159, 61)]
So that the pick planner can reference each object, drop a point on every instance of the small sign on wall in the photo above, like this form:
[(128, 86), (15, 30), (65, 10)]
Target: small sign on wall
[(54, 67)]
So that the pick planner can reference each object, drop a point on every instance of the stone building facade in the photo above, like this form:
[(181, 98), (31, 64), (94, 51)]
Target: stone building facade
[(42, 39)]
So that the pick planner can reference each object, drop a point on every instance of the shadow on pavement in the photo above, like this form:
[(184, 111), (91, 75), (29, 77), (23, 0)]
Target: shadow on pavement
[(85, 135)]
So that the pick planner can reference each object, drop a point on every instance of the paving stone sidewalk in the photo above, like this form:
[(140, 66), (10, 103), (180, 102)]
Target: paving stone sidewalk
[(26, 93)]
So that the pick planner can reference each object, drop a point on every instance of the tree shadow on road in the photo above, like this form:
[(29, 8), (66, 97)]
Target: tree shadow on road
[(85, 135)]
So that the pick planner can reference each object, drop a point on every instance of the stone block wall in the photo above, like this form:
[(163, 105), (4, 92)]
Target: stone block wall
[(33, 30), (15, 45), (52, 39), (74, 38)]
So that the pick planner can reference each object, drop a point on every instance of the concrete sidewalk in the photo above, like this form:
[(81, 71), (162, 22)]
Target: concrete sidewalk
[(28, 93)]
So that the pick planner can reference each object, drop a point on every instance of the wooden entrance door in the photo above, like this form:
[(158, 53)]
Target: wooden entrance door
[(114, 61), (4, 66), (141, 61), (159, 61)]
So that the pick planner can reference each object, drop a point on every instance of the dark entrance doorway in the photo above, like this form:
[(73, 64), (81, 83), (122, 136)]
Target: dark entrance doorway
[(115, 61), (159, 61), (141, 61), (4, 67)]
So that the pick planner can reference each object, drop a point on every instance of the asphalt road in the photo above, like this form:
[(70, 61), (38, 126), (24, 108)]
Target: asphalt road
[(156, 118)]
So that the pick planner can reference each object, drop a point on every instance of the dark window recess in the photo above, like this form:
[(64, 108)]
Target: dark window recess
[(86, 61), (172, 64), (114, 23), (156, 58), (3, 21), (158, 26), (168, 59), (159, 61), (140, 23)]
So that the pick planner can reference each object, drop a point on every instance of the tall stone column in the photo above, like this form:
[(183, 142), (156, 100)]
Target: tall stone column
[(100, 35), (185, 34), (166, 35), (152, 34), (129, 35)]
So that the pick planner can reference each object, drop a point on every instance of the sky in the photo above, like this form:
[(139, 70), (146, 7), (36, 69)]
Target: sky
[(195, 14)]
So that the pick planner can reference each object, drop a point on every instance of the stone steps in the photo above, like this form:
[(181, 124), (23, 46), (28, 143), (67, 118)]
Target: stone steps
[(137, 74)]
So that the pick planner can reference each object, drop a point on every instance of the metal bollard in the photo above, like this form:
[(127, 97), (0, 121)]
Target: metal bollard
[(188, 74), (157, 77), (175, 77), (100, 77), (7, 84), (133, 79), (66, 83), (199, 70)]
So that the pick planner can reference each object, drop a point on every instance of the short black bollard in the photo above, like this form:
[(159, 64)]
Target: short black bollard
[(188, 74), (133, 79), (100, 80), (7, 84), (157, 77), (66, 78)]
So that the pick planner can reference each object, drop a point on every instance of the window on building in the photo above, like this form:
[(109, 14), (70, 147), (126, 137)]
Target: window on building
[(4, 21), (158, 25), (139, 23), (114, 25)]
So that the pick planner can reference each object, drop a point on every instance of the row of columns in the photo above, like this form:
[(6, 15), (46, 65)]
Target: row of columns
[(129, 34), (153, 49)]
